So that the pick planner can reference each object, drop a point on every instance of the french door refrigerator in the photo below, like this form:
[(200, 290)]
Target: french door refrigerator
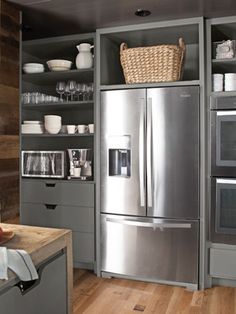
[(150, 184)]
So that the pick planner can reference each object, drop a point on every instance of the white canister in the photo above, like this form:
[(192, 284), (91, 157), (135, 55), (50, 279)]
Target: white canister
[(84, 59), (230, 81), (217, 82)]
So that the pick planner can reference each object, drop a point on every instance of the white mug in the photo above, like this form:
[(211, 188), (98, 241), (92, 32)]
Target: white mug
[(91, 128), (77, 172), (82, 128), (71, 129)]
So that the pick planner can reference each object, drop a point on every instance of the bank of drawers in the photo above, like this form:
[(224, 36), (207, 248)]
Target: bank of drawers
[(62, 204)]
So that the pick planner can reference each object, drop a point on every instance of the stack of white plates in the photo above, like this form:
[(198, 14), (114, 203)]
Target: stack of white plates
[(33, 68), (230, 81), (32, 127)]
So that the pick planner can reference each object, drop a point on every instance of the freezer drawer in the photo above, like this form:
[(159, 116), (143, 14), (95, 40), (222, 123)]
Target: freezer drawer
[(57, 192), (47, 296), (154, 249)]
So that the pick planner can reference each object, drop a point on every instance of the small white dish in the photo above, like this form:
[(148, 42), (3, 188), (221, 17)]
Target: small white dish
[(32, 122), (33, 68), (59, 65)]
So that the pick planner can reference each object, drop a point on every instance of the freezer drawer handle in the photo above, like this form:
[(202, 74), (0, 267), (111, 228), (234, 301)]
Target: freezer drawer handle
[(50, 185), (151, 224), (50, 206)]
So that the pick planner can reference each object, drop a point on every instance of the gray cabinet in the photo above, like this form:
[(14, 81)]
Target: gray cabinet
[(62, 204), (47, 295), (221, 102), (57, 192), (222, 263)]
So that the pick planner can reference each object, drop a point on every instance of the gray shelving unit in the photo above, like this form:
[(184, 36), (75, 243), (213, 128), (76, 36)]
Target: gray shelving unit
[(220, 255), (60, 203), (109, 76)]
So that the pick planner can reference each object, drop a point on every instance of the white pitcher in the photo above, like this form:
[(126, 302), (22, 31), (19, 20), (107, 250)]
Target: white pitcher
[(84, 59)]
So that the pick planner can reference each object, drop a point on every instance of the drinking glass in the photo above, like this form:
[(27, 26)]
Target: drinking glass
[(79, 91), (72, 89), (90, 91), (84, 91), (60, 89), (67, 92)]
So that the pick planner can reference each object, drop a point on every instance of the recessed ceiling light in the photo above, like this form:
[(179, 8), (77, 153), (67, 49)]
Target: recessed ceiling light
[(142, 12)]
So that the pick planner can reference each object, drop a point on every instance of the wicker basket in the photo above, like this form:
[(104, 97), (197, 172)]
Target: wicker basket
[(161, 63)]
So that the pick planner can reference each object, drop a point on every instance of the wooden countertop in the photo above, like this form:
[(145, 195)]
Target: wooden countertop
[(41, 243)]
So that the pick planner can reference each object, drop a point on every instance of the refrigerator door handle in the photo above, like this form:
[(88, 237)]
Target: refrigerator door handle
[(141, 156), (154, 225), (149, 152)]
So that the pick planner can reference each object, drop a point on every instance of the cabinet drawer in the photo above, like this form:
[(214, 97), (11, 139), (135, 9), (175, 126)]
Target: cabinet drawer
[(48, 215), (222, 263), (57, 192), (83, 247), (227, 102)]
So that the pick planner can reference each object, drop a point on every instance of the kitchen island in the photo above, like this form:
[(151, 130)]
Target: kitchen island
[(51, 253)]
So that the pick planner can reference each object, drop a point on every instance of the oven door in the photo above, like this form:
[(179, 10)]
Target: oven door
[(223, 211), (223, 141)]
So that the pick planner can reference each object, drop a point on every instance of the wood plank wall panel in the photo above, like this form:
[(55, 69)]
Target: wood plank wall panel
[(9, 110)]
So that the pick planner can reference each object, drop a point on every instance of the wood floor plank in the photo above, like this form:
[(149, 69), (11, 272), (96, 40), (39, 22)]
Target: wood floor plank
[(93, 295)]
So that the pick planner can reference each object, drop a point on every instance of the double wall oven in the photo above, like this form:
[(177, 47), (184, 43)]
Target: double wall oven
[(223, 169)]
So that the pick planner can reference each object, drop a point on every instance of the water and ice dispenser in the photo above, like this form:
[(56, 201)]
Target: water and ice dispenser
[(119, 156)]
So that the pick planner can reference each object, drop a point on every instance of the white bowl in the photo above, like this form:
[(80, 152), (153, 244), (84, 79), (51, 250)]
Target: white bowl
[(53, 129), (32, 122), (52, 119), (35, 65), (30, 70), (59, 65)]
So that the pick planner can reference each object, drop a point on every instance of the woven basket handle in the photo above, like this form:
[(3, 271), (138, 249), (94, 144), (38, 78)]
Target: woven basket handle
[(182, 44), (123, 46), (183, 47)]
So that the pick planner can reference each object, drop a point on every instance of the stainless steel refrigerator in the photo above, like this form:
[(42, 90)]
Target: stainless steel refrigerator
[(150, 184)]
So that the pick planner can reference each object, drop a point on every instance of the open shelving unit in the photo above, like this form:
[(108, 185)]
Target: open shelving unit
[(72, 195), (219, 29)]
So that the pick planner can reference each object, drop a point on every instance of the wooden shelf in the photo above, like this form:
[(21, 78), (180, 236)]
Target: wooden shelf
[(149, 85), (60, 105), (46, 78)]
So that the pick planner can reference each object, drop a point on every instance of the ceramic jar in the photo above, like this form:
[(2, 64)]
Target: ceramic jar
[(84, 59)]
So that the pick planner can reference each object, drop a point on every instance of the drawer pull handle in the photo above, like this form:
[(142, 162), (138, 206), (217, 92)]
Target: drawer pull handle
[(50, 206), (51, 185)]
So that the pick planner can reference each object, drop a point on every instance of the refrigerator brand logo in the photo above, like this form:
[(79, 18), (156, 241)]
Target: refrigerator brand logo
[(185, 95)]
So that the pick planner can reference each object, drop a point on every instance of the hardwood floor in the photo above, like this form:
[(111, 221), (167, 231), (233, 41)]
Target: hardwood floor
[(94, 295)]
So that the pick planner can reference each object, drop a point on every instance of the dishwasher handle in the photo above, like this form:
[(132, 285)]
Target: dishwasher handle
[(154, 225)]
